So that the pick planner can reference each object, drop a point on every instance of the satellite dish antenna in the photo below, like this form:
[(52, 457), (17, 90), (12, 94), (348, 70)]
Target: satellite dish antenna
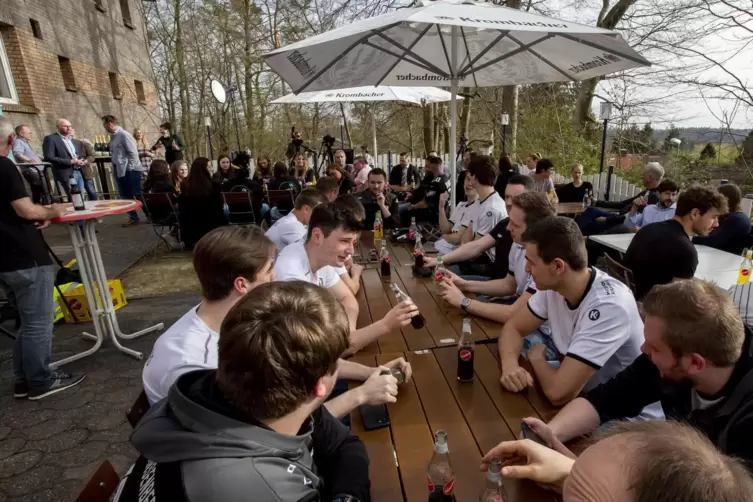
[(218, 91)]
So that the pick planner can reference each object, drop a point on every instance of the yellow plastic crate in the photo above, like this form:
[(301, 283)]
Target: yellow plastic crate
[(76, 297)]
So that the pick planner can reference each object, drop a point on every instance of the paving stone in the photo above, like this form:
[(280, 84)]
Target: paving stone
[(18, 463), (84, 454), (84, 472), (60, 491), (47, 429), (60, 442), (4, 431), (10, 446), (121, 434), (69, 402), (25, 416), (35, 479), (104, 422), (124, 396)]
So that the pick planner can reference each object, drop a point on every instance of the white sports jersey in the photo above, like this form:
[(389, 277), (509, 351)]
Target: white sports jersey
[(462, 214), (293, 265), (286, 230), (491, 211), (604, 330), (517, 262)]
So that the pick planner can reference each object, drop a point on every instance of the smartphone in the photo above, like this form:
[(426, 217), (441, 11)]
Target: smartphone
[(527, 433), (374, 416)]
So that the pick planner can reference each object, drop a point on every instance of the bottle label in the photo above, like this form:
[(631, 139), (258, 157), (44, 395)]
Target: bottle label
[(449, 487), (438, 276), (430, 485), (78, 200), (745, 272), (386, 259), (466, 355)]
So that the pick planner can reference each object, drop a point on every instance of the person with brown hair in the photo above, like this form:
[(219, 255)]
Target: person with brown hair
[(225, 169), (301, 170), (200, 202), (328, 187), (255, 428), (145, 155), (338, 173), (178, 172), (125, 162), (158, 178), (733, 233), (292, 227), (663, 251), (697, 361), (527, 209), (590, 319), (171, 142), (263, 171), (633, 462)]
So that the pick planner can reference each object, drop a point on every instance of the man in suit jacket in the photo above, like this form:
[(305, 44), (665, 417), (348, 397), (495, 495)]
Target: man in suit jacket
[(65, 155), (125, 162)]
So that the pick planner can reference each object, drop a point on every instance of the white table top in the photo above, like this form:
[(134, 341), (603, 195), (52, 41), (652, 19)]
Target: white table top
[(725, 279), (618, 242)]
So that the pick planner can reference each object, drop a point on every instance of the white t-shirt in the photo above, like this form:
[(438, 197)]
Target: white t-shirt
[(293, 265), (460, 217), (741, 295), (187, 345), (604, 330), (517, 263), (286, 230), (490, 211)]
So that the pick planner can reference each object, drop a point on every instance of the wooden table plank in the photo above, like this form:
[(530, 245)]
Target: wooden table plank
[(383, 473), (379, 305), (412, 439), (453, 314), (415, 339), (364, 319), (443, 412), (401, 253)]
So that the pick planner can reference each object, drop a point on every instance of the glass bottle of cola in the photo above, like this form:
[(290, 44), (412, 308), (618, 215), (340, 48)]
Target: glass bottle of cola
[(440, 271), (441, 477), (466, 353), (413, 230), (384, 259), (417, 321), (418, 252), (494, 490)]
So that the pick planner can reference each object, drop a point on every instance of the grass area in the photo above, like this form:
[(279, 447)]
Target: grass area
[(726, 155), (168, 272)]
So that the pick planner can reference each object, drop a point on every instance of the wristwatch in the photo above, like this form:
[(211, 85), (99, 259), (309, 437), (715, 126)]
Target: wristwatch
[(465, 303)]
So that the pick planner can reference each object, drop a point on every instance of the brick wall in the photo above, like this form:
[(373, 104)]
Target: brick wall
[(97, 44)]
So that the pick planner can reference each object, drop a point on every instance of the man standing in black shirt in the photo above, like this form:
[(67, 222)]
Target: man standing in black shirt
[(424, 204), (27, 277), (662, 252)]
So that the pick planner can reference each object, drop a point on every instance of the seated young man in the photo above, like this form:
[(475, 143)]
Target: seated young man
[(255, 428), (423, 202), (292, 226), (454, 229), (350, 273), (230, 262), (663, 210), (331, 234), (378, 197), (595, 324), (697, 361), (498, 239), (527, 209), (328, 187)]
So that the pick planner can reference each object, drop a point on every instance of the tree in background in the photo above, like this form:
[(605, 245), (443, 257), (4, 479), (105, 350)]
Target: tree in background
[(746, 155), (708, 153), (672, 133)]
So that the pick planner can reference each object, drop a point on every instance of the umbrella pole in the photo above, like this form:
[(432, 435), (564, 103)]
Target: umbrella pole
[(373, 131), (453, 113)]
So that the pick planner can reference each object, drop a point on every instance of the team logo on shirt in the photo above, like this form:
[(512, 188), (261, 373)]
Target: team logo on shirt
[(489, 214), (594, 315)]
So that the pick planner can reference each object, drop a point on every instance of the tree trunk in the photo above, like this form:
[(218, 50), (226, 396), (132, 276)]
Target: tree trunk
[(185, 102), (465, 114), (446, 136), (247, 74), (510, 106), (428, 116), (345, 125)]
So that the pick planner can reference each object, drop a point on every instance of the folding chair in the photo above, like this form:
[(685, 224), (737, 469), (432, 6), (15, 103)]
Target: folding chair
[(619, 272), (138, 409), (240, 207), (101, 485), (162, 212), (283, 200)]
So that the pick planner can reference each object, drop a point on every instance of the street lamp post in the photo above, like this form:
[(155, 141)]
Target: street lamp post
[(208, 124), (604, 114), (505, 122)]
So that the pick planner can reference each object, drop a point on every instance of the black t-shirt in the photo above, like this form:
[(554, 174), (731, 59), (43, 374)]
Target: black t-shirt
[(21, 244), (571, 193), (502, 247), (436, 187), (659, 253)]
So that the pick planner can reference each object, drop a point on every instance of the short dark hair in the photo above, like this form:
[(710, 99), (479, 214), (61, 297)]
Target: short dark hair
[(311, 197), (377, 171), (544, 165), (350, 202), (110, 119), (166, 125), (229, 252), (700, 197), (434, 160), (404, 154), (558, 237), (733, 194), (276, 344), (535, 205), (360, 158), (521, 179), (280, 169), (483, 169), (667, 186), (331, 216), (327, 184)]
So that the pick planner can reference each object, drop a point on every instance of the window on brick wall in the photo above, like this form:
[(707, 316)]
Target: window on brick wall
[(125, 9), (7, 89), (100, 5), (140, 95), (36, 29), (66, 71), (115, 86)]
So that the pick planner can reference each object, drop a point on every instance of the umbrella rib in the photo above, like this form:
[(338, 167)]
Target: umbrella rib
[(410, 48), (399, 58), (335, 60), (545, 60), (446, 55), (400, 46), (484, 51), (510, 54), (640, 61), (468, 54)]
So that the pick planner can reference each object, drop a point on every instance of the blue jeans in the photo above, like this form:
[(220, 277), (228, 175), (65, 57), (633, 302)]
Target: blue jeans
[(536, 338), (129, 187), (30, 291), (84, 184)]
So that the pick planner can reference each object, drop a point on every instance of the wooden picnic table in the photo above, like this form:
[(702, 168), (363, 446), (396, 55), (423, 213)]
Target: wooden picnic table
[(402, 188), (570, 208), (476, 415)]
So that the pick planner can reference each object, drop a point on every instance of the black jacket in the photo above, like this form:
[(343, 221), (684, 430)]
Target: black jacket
[(371, 207), (396, 174), (728, 424), (652, 197)]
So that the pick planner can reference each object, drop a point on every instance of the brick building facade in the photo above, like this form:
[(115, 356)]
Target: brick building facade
[(79, 60)]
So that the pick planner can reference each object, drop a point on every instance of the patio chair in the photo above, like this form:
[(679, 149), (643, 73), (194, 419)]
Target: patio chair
[(162, 211), (283, 200), (101, 485), (619, 272), (240, 207), (138, 409)]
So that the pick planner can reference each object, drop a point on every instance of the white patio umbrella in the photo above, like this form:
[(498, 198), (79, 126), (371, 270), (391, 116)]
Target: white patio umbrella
[(450, 44), (416, 95)]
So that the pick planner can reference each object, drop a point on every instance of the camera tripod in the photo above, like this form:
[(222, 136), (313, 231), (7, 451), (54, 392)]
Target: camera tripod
[(325, 156)]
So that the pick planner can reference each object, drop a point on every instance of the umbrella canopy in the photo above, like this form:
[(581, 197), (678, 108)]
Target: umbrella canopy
[(416, 95), (448, 43)]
